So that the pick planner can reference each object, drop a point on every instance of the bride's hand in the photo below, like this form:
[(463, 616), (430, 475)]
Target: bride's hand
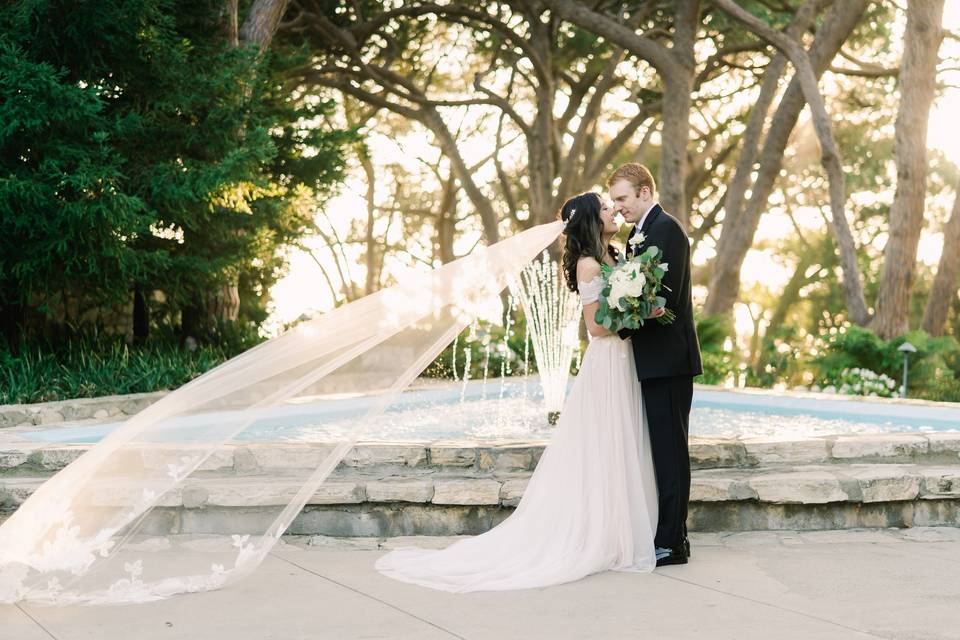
[(659, 311)]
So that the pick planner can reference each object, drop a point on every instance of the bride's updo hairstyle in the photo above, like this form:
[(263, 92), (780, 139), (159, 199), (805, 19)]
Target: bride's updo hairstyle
[(583, 233)]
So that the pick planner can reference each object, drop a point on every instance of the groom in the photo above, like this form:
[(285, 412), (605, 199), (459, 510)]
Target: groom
[(667, 356)]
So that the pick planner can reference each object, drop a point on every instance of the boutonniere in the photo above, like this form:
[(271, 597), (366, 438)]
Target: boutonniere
[(638, 239)]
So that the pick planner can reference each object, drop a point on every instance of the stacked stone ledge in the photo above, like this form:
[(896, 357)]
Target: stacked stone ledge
[(465, 487), (830, 482), (79, 410)]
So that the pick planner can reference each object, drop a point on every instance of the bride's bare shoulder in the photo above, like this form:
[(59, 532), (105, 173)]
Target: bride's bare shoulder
[(587, 269)]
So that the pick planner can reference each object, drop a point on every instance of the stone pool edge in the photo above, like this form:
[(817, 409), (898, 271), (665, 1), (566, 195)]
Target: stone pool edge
[(463, 487), (89, 410)]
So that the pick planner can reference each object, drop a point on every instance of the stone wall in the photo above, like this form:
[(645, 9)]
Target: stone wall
[(466, 487), (102, 409)]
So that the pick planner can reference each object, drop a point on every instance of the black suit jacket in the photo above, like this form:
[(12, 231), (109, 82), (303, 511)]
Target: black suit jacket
[(659, 350)]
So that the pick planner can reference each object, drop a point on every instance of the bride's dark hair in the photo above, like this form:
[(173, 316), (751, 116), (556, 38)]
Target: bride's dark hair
[(583, 235)]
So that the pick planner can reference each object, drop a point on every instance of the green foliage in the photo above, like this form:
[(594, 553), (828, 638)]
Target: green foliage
[(718, 366), (936, 359), (65, 215), (487, 349), (141, 151), (712, 331), (943, 388)]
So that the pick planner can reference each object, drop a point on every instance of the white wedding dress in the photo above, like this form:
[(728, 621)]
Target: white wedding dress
[(590, 505)]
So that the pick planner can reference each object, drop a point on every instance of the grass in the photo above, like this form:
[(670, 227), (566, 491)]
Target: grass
[(87, 370)]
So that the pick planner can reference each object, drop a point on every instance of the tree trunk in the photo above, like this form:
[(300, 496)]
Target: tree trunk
[(224, 301), (446, 221), (141, 316), (542, 144), (724, 287), (837, 27), (229, 28), (787, 298), (370, 241), (753, 349), (673, 151), (945, 284), (11, 317), (259, 28), (676, 67), (918, 74), (262, 21), (676, 113)]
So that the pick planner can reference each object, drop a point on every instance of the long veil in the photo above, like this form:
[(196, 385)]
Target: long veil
[(104, 529)]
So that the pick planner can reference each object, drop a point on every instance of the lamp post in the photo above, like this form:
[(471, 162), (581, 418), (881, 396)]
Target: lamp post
[(907, 349)]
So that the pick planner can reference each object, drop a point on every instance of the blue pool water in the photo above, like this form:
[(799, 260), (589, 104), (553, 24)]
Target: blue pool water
[(513, 409)]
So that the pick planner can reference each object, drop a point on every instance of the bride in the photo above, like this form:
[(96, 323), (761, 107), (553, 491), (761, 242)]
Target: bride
[(591, 503), (100, 531)]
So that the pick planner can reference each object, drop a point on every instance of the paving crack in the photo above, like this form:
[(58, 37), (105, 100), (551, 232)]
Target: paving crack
[(367, 595), (35, 621)]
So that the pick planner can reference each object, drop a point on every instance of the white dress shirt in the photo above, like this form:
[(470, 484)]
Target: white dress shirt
[(644, 217)]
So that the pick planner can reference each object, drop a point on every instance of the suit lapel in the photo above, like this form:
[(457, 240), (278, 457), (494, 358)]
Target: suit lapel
[(637, 249), (654, 212)]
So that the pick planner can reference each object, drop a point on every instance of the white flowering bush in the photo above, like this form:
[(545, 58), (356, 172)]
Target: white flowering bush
[(862, 382)]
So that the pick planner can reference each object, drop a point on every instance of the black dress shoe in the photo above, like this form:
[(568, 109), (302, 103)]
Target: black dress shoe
[(678, 555), (674, 557)]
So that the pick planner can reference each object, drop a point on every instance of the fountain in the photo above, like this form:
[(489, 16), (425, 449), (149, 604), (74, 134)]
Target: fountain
[(553, 322)]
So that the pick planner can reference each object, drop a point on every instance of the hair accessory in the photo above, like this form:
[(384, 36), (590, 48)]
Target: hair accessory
[(569, 217)]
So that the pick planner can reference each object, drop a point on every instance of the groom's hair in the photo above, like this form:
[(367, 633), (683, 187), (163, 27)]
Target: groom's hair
[(637, 174)]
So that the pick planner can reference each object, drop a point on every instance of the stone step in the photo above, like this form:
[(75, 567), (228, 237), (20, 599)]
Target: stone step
[(30, 458), (809, 485), (770, 498)]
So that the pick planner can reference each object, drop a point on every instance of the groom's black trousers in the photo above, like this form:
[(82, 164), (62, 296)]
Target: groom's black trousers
[(667, 404)]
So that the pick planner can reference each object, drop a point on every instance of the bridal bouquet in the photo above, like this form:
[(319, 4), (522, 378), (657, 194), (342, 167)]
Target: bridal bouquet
[(630, 291)]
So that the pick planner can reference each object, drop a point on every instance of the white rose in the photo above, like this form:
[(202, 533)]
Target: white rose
[(614, 303), (638, 239), (613, 299), (634, 288)]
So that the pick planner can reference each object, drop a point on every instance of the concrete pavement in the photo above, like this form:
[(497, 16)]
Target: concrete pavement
[(860, 583)]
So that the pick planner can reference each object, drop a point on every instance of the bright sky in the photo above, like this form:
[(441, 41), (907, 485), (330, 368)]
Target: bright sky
[(304, 290)]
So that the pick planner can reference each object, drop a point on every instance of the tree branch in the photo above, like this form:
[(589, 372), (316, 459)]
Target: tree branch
[(867, 73), (650, 50), (830, 158)]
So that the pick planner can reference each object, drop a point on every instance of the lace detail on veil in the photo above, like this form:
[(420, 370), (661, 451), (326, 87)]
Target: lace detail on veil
[(590, 290), (107, 527)]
